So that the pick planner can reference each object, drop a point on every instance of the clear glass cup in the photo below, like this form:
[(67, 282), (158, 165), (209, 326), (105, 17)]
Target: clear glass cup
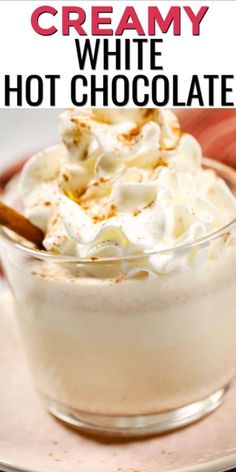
[(125, 355)]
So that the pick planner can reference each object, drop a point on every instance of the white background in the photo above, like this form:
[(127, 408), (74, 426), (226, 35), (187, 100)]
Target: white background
[(24, 132), (24, 52)]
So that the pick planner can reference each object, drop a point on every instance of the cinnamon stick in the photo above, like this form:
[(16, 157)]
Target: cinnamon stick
[(13, 220)]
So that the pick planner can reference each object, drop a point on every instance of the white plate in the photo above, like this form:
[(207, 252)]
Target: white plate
[(31, 440)]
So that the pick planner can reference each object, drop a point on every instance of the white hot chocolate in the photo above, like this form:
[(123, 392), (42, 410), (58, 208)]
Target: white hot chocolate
[(129, 314)]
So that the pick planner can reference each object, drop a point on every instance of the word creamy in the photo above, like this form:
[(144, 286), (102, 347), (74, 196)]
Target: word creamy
[(100, 20)]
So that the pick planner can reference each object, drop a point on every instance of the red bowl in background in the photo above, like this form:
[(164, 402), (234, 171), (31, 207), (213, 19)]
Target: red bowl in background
[(215, 129)]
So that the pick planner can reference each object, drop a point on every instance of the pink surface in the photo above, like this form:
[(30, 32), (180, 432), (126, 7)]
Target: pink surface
[(31, 439), (215, 129)]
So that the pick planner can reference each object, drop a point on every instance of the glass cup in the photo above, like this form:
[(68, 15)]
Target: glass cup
[(129, 355)]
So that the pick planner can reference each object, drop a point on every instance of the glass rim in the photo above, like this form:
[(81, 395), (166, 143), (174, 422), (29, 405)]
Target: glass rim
[(61, 258)]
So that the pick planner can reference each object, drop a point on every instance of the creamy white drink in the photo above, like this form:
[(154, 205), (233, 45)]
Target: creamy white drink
[(131, 308)]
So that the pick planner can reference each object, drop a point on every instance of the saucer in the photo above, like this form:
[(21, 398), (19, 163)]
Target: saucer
[(33, 441)]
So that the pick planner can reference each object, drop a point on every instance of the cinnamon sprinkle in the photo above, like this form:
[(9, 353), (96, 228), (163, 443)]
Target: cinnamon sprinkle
[(65, 177), (226, 236), (148, 113), (136, 212), (119, 279), (112, 211), (132, 134)]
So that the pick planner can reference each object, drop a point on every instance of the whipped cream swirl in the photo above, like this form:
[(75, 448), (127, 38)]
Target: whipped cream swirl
[(123, 182)]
